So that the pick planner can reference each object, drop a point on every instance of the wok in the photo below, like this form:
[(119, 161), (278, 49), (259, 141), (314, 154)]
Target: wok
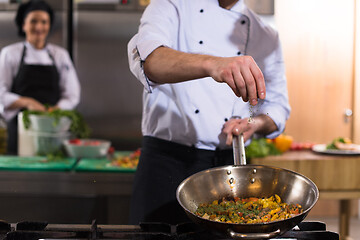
[(247, 181)]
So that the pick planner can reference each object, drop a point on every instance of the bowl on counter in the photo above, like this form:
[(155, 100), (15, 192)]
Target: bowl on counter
[(48, 143), (49, 124), (86, 148)]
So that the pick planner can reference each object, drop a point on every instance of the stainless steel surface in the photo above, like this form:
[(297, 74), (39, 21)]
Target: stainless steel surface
[(239, 150), (66, 183), (65, 197), (247, 181)]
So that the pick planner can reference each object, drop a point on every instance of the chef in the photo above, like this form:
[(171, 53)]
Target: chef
[(201, 63), (34, 73)]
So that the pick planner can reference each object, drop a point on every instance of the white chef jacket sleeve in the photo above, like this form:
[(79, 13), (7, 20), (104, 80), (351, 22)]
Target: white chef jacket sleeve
[(158, 27), (69, 83), (7, 71), (276, 104)]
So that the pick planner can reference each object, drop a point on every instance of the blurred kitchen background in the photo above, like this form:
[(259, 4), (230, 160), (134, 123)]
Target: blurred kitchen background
[(321, 48), (96, 39)]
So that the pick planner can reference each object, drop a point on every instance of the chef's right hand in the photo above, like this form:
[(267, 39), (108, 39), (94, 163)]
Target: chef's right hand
[(32, 104), (242, 74)]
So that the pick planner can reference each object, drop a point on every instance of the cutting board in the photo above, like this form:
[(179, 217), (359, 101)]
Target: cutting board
[(36, 163), (102, 165)]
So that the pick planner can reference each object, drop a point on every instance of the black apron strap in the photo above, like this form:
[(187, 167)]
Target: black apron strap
[(22, 57)]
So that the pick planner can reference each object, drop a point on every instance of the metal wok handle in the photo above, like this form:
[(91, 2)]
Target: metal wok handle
[(239, 150), (252, 236)]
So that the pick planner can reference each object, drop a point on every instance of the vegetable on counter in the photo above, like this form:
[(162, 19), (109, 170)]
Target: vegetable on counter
[(128, 161), (88, 142), (283, 142), (295, 146), (261, 147)]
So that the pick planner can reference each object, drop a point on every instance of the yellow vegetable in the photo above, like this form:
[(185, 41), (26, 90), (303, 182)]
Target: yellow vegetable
[(283, 142)]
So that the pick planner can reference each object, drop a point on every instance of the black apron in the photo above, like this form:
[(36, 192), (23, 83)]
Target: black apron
[(40, 82), (162, 167)]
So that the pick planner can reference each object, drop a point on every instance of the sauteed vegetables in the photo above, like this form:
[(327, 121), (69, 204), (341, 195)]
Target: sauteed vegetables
[(248, 210)]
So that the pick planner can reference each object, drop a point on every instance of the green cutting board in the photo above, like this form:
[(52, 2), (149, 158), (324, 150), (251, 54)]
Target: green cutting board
[(36, 163), (102, 165)]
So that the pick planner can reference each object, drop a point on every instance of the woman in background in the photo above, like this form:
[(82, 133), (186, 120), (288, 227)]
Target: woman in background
[(34, 73)]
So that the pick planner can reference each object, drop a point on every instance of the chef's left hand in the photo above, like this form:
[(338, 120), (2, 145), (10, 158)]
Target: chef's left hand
[(236, 126), (261, 124)]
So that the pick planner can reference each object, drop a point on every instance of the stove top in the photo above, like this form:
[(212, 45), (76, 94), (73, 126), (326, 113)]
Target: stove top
[(149, 231)]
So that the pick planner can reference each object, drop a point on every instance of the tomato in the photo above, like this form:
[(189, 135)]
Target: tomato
[(136, 153), (308, 145), (92, 143), (295, 146), (111, 150), (301, 146), (75, 141), (283, 142)]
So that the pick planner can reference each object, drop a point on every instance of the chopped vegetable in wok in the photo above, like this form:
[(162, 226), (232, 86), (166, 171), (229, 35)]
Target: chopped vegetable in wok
[(248, 210)]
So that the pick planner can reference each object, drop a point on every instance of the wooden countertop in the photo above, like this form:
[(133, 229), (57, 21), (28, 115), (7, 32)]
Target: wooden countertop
[(336, 176)]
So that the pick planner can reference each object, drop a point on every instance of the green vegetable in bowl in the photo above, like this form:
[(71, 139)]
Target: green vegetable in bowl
[(78, 126)]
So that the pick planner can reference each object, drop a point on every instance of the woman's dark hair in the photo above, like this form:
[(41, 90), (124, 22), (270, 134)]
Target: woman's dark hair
[(29, 6)]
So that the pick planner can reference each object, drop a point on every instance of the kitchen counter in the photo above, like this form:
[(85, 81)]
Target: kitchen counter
[(66, 183), (63, 192), (336, 176)]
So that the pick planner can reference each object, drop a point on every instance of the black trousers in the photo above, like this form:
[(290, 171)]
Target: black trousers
[(162, 167)]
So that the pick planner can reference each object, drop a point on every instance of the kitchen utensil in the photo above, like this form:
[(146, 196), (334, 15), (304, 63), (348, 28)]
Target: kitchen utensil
[(87, 148), (48, 143), (247, 181), (239, 150), (49, 124), (321, 148)]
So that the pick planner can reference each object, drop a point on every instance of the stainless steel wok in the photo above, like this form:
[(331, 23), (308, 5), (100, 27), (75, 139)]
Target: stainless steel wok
[(247, 181)]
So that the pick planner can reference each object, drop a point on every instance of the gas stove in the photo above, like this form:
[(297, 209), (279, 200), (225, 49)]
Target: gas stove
[(149, 231)]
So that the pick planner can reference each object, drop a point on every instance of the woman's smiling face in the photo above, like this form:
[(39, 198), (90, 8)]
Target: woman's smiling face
[(36, 27)]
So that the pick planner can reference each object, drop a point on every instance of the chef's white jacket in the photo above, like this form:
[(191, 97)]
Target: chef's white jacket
[(194, 112), (10, 58)]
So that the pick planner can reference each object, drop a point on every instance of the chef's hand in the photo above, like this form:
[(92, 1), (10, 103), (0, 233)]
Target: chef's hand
[(29, 103), (236, 126), (242, 74), (261, 124), (50, 109)]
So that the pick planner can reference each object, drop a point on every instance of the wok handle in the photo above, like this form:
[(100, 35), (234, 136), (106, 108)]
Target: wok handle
[(239, 150), (252, 236)]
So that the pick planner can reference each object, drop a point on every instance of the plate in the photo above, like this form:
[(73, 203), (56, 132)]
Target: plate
[(321, 148)]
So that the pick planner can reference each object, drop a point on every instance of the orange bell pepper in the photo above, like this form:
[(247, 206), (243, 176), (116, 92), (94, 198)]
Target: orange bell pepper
[(283, 142)]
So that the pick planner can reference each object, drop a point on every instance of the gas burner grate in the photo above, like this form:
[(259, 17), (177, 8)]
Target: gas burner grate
[(304, 231), (148, 231)]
